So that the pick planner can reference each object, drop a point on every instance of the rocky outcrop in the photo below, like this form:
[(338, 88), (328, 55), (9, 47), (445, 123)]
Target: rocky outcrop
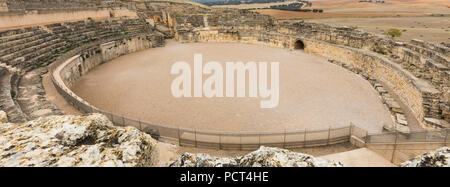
[(263, 157), (92, 140), (3, 117), (76, 141), (438, 158)]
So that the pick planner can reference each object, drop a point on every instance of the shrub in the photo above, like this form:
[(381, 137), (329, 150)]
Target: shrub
[(394, 32)]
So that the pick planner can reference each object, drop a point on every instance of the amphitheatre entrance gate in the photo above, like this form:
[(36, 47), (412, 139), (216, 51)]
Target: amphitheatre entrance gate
[(299, 45)]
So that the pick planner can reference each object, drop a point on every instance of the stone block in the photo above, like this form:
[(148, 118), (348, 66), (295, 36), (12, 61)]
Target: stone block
[(381, 90), (376, 85)]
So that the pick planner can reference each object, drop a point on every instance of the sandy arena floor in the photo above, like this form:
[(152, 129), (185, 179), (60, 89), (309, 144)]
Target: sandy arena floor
[(314, 94)]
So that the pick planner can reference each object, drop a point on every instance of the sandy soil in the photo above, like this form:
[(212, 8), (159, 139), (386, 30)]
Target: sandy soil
[(313, 93)]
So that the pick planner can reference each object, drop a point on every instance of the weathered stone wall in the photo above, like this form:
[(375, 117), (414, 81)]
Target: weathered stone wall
[(3, 6), (425, 64), (371, 63), (26, 53), (378, 67), (418, 71), (7, 96)]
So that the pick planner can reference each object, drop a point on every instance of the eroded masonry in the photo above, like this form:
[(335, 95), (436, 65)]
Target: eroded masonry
[(414, 75)]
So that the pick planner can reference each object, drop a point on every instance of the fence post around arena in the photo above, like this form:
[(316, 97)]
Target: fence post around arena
[(284, 139)]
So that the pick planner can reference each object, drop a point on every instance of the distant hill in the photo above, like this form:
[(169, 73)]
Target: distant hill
[(234, 2)]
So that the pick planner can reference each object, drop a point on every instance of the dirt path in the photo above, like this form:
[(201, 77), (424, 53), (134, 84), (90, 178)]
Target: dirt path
[(429, 28), (362, 157), (413, 124)]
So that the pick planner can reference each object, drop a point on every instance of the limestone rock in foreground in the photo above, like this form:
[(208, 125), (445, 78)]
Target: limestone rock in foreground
[(74, 141), (3, 117), (263, 157), (438, 158)]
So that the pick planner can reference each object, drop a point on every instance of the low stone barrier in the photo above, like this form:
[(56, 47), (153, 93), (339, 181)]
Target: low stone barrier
[(423, 99)]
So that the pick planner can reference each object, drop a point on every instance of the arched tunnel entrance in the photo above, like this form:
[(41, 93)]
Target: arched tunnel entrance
[(299, 45)]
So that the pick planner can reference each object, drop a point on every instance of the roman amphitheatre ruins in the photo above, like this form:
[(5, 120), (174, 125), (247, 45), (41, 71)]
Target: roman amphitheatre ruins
[(341, 88)]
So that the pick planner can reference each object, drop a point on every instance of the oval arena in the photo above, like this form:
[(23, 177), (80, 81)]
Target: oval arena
[(335, 82), (314, 94)]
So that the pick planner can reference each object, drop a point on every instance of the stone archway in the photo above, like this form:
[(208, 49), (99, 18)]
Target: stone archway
[(299, 45)]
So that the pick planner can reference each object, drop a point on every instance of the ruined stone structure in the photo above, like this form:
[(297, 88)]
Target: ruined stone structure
[(417, 73)]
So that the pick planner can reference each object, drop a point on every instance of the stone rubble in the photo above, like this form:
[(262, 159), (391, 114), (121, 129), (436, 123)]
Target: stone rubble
[(3, 117), (438, 158), (75, 141), (263, 157)]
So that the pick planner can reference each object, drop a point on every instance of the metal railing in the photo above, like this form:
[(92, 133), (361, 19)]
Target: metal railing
[(429, 136)]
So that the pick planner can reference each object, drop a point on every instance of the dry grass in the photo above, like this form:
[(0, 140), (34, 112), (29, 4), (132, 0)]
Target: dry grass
[(251, 6)]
